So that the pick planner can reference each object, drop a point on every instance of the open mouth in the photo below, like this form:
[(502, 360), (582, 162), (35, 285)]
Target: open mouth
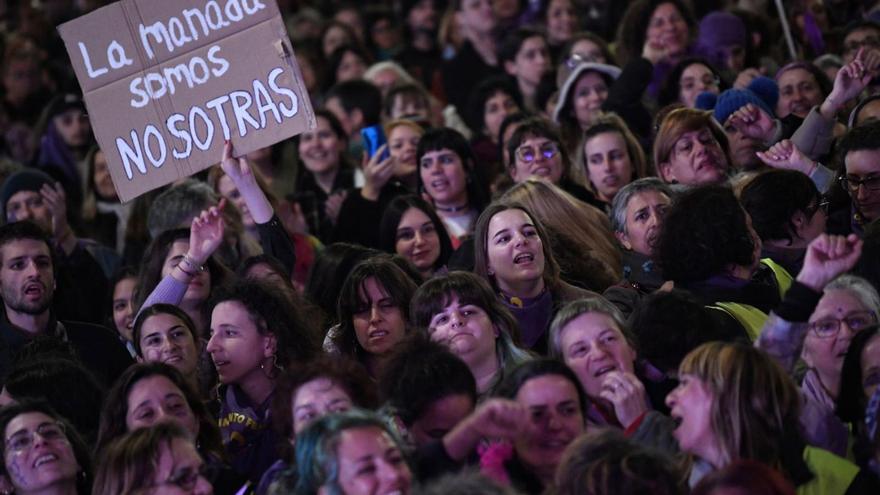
[(33, 289), (677, 420), (45, 459), (604, 370), (377, 334), (523, 258), (541, 171)]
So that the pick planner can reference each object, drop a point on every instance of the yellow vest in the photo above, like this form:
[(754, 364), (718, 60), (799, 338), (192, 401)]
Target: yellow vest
[(750, 317), (832, 475)]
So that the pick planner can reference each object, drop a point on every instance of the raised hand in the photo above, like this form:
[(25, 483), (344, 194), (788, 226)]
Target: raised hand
[(494, 419), (206, 233), (333, 205), (827, 257), (753, 122), (56, 200), (377, 173), (626, 393), (239, 171), (785, 155), (850, 81), (744, 78), (654, 51)]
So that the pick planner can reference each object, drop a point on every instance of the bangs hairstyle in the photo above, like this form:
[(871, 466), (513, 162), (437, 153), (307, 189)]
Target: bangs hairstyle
[(756, 405), (436, 294), (611, 122), (537, 127), (681, 121), (452, 140), (577, 308), (481, 244), (352, 300)]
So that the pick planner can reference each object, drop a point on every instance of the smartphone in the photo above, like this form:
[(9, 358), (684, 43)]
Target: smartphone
[(373, 138)]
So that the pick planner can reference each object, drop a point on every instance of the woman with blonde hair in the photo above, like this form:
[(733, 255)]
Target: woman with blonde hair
[(735, 402), (580, 234)]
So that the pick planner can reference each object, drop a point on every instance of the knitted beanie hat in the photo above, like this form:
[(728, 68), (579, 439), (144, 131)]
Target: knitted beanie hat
[(29, 179), (762, 91), (718, 30)]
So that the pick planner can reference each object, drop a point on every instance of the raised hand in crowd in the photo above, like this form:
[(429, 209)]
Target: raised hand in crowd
[(850, 81), (56, 199), (745, 77), (494, 419), (206, 234), (239, 171), (334, 204), (627, 394), (827, 257), (752, 122), (377, 173), (785, 155)]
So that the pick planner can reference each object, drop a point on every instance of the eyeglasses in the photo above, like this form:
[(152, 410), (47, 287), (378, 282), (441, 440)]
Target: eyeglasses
[(529, 154), (24, 440), (852, 184), (187, 478), (830, 327), (823, 205)]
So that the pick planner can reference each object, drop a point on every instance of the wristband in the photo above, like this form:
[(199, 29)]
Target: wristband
[(192, 265)]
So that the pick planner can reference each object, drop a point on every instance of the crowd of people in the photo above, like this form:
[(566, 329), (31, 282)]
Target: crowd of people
[(607, 248)]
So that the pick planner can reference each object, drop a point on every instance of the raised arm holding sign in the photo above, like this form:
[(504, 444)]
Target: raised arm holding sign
[(168, 82)]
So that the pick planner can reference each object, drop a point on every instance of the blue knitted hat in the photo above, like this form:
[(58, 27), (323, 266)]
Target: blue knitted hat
[(762, 91)]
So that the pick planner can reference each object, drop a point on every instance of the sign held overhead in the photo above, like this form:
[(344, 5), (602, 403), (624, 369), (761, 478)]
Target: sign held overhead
[(167, 82)]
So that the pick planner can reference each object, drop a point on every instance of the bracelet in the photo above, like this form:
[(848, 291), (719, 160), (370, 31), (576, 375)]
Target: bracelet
[(190, 274), (192, 265)]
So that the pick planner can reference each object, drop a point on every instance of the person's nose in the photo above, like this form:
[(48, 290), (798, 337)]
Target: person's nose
[(419, 239), (213, 346), (390, 474), (375, 314)]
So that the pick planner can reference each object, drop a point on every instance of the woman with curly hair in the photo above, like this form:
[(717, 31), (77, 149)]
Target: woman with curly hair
[(255, 334), (707, 246)]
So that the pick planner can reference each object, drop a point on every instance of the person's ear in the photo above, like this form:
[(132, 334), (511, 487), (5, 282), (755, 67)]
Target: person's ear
[(270, 345), (623, 239), (800, 222), (666, 173)]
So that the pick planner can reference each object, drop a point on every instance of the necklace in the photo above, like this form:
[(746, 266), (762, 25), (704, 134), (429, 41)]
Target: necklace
[(451, 209)]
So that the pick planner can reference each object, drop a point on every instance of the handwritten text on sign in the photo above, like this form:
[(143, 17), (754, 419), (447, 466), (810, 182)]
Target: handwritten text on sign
[(167, 82)]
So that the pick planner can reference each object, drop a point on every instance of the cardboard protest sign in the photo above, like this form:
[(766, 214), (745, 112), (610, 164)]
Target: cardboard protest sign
[(166, 82)]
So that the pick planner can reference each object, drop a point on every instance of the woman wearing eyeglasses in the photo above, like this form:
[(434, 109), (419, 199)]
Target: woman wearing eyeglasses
[(860, 149), (536, 151), (816, 322), (156, 460), (42, 454)]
